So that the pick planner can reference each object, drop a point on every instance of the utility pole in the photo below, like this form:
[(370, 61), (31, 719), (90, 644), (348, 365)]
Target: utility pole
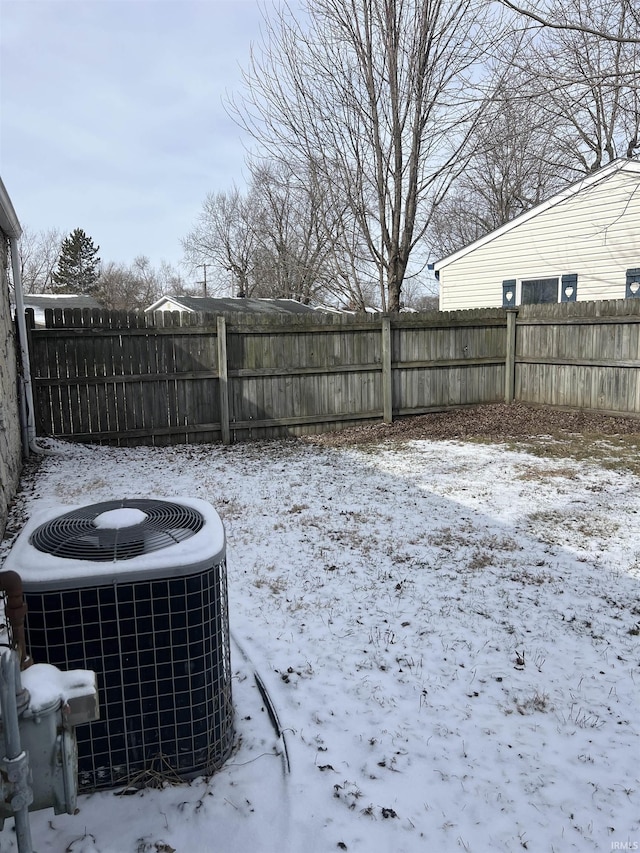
[(203, 283)]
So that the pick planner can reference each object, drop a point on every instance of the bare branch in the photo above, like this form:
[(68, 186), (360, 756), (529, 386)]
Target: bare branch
[(549, 23)]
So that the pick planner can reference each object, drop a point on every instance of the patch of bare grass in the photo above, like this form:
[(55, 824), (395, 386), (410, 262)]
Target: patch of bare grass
[(611, 442), (557, 526), (526, 577), (620, 453), (534, 473)]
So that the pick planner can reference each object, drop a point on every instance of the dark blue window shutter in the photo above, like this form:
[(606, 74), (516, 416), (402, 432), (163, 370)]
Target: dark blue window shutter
[(509, 293), (633, 284), (569, 287)]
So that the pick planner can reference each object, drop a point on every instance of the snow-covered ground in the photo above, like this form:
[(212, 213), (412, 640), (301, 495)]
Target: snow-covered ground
[(449, 633)]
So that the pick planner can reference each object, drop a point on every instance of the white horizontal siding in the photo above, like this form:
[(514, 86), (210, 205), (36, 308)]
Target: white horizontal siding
[(594, 233)]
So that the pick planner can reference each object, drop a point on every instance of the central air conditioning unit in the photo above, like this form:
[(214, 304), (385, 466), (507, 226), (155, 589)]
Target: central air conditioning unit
[(135, 590)]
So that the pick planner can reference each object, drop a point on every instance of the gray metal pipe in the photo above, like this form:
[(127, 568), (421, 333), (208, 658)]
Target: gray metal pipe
[(29, 428), (16, 760)]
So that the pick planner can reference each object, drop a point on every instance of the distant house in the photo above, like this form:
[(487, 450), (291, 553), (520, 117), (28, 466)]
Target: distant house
[(581, 244), (41, 301), (215, 305)]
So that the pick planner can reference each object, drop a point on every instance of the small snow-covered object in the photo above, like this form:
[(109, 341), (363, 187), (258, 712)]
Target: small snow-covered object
[(46, 739), (76, 690)]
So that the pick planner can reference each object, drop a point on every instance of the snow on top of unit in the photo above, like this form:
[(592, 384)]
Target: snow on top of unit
[(39, 570), (48, 685), (115, 519)]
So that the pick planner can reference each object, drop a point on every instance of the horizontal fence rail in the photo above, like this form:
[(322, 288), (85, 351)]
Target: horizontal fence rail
[(123, 378)]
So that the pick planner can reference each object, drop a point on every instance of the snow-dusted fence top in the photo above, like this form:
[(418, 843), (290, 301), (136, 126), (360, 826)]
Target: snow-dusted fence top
[(133, 378)]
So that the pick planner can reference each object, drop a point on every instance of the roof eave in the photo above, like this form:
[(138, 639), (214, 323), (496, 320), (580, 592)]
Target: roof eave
[(9, 222)]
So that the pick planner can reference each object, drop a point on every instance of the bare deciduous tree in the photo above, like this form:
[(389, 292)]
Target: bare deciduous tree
[(590, 85), (277, 240), (376, 93), (223, 236), (351, 279), (292, 231), (514, 163), (123, 287), (39, 251)]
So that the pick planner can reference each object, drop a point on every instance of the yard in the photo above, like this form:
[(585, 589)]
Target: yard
[(446, 614)]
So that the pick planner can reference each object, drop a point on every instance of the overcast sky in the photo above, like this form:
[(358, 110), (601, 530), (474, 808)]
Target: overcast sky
[(112, 116)]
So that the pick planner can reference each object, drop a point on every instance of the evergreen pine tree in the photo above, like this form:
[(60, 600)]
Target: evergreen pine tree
[(78, 268)]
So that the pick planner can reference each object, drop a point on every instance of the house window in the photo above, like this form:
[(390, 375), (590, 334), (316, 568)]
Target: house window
[(633, 284), (538, 290), (535, 291)]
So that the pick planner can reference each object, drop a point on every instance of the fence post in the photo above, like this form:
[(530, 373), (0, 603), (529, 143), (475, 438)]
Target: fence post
[(387, 382), (223, 380), (510, 356)]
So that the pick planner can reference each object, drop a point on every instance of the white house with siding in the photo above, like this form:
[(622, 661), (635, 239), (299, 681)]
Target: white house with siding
[(581, 244)]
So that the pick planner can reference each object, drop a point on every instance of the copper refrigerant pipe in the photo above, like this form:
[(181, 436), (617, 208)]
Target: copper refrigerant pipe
[(15, 611)]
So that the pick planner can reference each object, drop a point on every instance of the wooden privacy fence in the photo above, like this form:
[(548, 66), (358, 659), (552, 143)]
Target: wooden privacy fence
[(581, 355), (128, 379), (133, 378)]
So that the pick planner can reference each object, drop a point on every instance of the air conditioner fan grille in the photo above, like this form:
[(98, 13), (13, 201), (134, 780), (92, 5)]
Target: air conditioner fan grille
[(76, 535)]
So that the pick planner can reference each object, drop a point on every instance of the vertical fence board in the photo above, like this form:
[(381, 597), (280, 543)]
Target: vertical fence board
[(223, 386), (510, 357), (387, 384)]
